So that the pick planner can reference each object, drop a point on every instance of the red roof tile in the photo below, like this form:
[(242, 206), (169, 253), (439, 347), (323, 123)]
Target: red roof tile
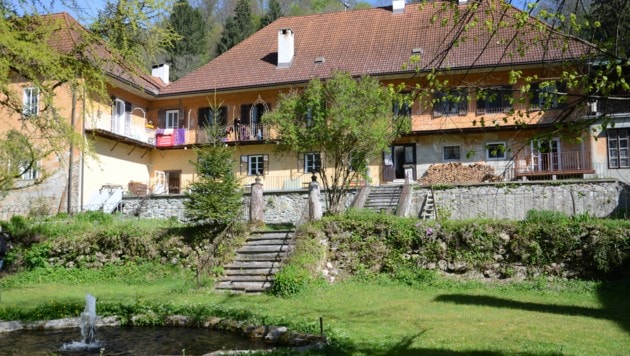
[(375, 42), (68, 35)]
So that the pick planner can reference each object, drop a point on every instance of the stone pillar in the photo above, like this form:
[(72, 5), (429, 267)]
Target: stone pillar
[(314, 202), (257, 203)]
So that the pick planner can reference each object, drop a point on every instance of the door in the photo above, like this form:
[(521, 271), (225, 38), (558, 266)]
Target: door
[(159, 183), (173, 179), (404, 160), (118, 117), (546, 155), (400, 159)]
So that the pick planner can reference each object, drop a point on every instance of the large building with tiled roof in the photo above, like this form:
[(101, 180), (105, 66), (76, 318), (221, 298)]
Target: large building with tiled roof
[(142, 139)]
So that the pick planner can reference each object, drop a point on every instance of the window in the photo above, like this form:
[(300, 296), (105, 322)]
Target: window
[(29, 170), (401, 108), (618, 148), (206, 116), (548, 95), (495, 150), (256, 164), (452, 153), (453, 102), (172, 119), (494, 100), (312, 162), (121, 117), (30, 103)]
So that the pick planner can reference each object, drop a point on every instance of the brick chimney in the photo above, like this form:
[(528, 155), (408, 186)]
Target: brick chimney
[(286, 47)]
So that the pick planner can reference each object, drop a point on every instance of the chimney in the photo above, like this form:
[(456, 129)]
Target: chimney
[(462, 2), (398, 6), (161, 71), (286, 47)]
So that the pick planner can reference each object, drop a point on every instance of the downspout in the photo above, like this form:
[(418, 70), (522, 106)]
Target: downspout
[(71, 153), (81, 172)]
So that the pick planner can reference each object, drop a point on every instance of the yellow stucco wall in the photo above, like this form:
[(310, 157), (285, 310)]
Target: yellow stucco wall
[(114, 163)]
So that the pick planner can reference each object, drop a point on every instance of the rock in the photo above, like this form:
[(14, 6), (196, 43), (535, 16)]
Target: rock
[(275, 333), (442, 265), (178, 320)]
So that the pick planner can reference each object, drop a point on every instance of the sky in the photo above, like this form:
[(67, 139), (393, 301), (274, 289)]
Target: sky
[(90, 8)]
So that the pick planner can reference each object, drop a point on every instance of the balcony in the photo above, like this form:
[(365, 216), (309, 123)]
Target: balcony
[(553, 163), (133, 128)]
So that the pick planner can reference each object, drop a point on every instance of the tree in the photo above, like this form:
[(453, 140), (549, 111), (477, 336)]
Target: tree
[(187, 52), (613, 26), (216, 198), (42, 58), (273, 13), (348, 121), (132, 28), (238, 27)]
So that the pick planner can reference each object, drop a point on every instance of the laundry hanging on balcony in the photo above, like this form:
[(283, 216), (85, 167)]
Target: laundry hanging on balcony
[(170, 137)]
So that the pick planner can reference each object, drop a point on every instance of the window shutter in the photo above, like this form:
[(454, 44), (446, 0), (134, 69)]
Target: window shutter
[(183, 120), (322, 161), (243, 162), (266, 165), (222, 120), (300, 162), (202, 117), (245, 109), (161, 119)]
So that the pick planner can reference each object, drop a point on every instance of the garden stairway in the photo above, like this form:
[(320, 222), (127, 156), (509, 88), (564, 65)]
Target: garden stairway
[(384, 198), (256, 262)]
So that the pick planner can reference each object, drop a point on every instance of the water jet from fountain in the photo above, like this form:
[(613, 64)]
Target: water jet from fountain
[(87, 322)]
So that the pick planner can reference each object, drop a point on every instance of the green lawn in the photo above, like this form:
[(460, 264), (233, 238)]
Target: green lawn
[(386, 318)]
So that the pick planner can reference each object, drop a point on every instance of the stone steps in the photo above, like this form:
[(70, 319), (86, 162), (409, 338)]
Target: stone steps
[(383, 198), (256, 262)]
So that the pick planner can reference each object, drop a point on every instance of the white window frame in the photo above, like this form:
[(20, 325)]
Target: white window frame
[(254, 162), (171, 120), (459, 151), (30, 101), (312, 162), (618, 152), (501, 154), (31, 173)]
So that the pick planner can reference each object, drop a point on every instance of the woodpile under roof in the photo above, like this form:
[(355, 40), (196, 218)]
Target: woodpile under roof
[(455, 172)]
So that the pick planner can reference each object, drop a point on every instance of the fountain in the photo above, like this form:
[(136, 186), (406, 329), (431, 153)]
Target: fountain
[(87, 322)]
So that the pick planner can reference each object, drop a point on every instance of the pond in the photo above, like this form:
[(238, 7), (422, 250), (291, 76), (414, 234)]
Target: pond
[(126, 341)]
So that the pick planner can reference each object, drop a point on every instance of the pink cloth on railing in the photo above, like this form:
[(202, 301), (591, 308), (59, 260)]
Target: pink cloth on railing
[(170, 137)]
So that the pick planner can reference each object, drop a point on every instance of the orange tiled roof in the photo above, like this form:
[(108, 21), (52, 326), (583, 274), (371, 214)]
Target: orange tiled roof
[(67, 36), (375, 42)]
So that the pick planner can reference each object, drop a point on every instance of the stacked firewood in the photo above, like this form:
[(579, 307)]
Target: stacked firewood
[(455, 172)]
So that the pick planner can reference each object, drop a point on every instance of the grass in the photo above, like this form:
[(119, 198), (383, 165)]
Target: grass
[(378, 317)]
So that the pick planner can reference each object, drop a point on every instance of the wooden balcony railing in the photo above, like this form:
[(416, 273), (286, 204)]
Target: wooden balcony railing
[(528, 164)]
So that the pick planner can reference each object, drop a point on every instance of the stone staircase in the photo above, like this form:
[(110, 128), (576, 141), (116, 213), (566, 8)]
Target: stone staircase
[(256, 262), (384, 198)]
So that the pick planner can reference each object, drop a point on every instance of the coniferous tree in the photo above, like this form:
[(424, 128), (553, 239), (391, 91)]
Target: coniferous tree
[(216, 197), (273, 13), (238, 27), (188, 52)]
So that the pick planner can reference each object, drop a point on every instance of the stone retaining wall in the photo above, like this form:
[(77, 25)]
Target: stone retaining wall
[(280, 207), (599, 198), (512, 201)]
